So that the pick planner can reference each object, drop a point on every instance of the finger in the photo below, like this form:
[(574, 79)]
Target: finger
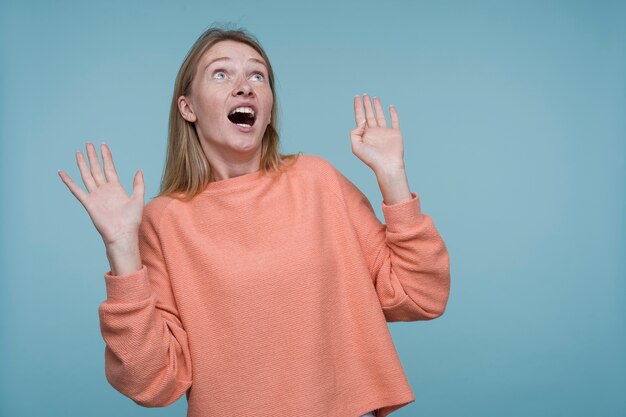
[(359, 116), (88, 180), (395, 120), (369, 111), (138, 186), (74, 188), (356, 137), (356, 142), (357, 133), (94, 164), (380, 114), (107, 160)]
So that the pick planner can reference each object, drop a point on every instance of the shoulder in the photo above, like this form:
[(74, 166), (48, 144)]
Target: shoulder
[(156, 208), (314, 164), (321, 165), (320, 170)]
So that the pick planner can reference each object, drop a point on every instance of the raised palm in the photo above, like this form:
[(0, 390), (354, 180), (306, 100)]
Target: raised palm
[(374, 142), (115, 214)]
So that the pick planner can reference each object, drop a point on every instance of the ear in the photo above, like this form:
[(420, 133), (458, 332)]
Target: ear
[(184, 107)]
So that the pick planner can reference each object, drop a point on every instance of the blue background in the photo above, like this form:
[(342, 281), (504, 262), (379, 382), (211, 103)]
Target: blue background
[(513, 115)]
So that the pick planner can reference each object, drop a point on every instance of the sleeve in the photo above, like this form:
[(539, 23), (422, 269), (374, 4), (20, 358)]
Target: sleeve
[(147, 356), (407, 258)]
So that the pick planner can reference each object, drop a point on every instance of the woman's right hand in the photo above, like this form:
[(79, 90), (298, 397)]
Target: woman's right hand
[(115, 214)]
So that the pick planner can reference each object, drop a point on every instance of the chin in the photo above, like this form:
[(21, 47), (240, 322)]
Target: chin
[(246, 146)]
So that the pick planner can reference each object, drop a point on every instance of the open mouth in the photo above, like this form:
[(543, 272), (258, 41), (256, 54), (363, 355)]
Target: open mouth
[(242, 116)]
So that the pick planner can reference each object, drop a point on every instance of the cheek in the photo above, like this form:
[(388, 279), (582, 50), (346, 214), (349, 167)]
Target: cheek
[(270, 104), (208, 100)]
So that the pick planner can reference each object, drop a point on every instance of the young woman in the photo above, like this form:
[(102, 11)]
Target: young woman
[(256, 283)]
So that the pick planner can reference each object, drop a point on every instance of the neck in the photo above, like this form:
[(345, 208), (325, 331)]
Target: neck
[(233, 164)]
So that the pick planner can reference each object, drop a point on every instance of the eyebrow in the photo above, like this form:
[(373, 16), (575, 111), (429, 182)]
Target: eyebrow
[(225, 58)]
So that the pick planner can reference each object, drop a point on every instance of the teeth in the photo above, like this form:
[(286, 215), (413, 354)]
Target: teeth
[(243, 110), (242, 125)]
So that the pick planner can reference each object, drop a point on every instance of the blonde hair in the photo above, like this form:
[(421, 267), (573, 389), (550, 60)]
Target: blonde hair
[(187, 171)]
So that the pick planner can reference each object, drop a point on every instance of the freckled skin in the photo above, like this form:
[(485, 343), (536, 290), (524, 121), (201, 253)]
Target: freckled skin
[(219, 87)]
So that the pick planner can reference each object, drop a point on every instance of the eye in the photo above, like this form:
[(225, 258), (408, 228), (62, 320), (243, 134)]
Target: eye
[(220, 75), (260, 77)]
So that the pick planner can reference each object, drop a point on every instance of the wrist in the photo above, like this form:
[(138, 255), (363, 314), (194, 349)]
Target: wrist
[(123, 255), (394, 170), (393, 184), (389, 176), (122, 244)]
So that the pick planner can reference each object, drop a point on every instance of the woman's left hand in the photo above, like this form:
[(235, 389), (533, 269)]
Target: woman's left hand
[(378, 146)]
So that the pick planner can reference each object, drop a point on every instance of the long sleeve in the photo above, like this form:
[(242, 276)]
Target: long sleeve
[(273, 288), (406, 257), (147, 356)]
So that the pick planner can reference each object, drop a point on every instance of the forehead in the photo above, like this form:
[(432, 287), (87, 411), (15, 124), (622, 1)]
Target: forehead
[(231, 50)]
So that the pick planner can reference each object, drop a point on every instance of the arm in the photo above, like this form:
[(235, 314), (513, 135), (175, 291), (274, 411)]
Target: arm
[(407, 258), (147, 356)]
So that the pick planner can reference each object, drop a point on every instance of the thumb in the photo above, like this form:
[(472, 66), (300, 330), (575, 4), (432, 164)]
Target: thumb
[(357, 134), (138, 186), (358, 131)]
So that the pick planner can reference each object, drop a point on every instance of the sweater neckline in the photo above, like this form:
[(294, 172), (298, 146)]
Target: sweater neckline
[(234, 182)]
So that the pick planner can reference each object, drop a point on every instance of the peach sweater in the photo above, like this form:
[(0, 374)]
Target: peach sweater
[(264, 297)]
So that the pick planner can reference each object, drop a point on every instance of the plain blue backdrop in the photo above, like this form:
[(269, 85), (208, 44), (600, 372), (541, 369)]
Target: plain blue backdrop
[(513, 115)]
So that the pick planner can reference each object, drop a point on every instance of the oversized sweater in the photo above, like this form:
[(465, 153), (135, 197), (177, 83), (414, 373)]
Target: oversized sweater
[(270, 297)]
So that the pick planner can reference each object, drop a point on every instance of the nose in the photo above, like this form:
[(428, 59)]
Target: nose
[(243, 87)]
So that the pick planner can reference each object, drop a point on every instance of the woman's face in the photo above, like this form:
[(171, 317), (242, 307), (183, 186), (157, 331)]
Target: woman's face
[(230, 102)]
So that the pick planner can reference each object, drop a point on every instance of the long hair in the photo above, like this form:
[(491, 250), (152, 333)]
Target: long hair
[(187, 171)]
